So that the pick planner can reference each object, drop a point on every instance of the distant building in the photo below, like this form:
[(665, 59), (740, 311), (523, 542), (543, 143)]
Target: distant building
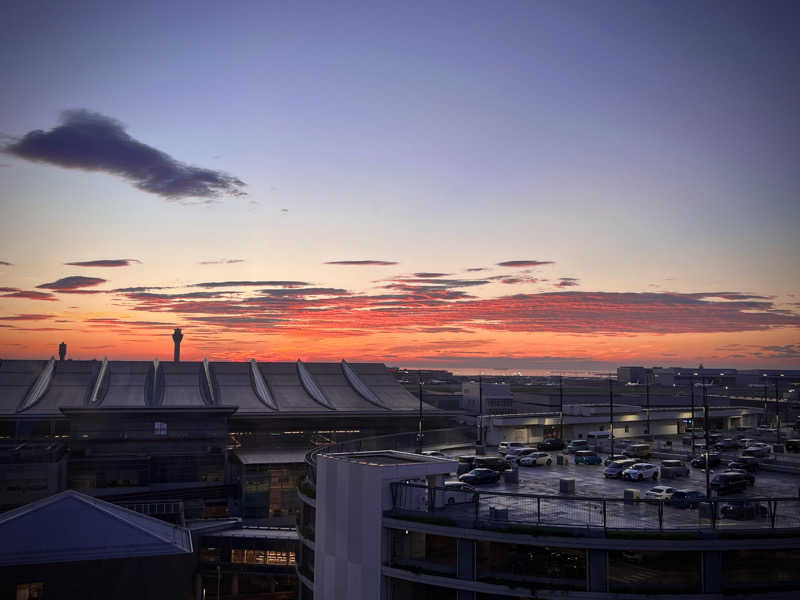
[(492, 398)]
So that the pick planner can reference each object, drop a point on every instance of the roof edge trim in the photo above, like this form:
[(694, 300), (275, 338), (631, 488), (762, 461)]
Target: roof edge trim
[(359, 386), (98, 382), (311, 386), (260, 386), (40, 385)]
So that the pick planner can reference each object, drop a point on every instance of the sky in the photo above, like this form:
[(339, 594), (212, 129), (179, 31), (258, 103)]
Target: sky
[(478, 186)]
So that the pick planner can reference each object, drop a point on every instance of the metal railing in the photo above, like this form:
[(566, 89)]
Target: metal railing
[(489, 509), (406, 442)]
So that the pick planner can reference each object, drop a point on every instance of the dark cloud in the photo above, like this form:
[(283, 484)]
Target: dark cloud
[(28, 295), (525, 263), (362, 262), (5, 263), (428, 275), (222, 261), (567, 282), (105, 262), (93, 142), (318, 291), (133, 290), (69, 284), (114, 322), (8, 290), (27, 317), (215, 284), (787, 351)]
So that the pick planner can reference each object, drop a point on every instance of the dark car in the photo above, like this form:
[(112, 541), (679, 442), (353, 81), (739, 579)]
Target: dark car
[(613, 458), (729, 444), (496, 463), (748, 476), (587, 457), (674, 468), (700, 461), (729, 482), (465, 464), (550, 444), (686, 498), (793, 445), (478, 476), (744, 463), (743, 511)]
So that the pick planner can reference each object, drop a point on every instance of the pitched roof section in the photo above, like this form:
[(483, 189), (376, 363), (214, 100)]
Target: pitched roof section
[(16, 379), (68, 387), (71, 527)]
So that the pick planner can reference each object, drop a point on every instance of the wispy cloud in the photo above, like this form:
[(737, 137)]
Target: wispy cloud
[(5, 263), (72, 284), (105, 262), (93, 142), (567, 282), (28, 295), (525, 263), (27, 317), (362, 262), (216, 284), (221, 261)]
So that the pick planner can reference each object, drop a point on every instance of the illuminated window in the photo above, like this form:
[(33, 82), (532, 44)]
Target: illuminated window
[(160, 428), (237, 556), (30, 591), (275, 557)]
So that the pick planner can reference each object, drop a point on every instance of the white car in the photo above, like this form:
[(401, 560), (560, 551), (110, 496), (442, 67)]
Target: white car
[(504, 447), (456, 492), (514, 454), (640, 472), (536, 458), (660, 492)]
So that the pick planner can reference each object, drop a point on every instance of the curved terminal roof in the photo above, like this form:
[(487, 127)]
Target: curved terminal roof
[(16, 379), (126, 384), (69, 386), (255, 389)]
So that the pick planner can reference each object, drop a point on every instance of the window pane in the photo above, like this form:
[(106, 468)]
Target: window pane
[(653, 572)]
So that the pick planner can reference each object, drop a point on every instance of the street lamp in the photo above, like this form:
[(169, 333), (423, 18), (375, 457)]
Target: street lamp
[(561, 407), (647, 393), (420, 435), (611, 410), (691, 392), (705, 427)]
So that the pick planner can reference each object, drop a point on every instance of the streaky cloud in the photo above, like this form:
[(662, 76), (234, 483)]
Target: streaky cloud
[(75, 282), (29, 295), (378, 263), (105, 262), (525, 263), (91, 141)]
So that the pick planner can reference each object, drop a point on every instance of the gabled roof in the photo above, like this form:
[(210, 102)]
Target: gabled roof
[(71, 526)]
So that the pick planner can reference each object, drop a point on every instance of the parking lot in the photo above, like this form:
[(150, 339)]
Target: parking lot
[(590, 483)]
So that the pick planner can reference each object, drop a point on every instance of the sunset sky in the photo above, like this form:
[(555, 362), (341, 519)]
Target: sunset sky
[(478, 186)]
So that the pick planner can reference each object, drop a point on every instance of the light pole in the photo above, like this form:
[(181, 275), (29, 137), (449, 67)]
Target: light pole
[(647, 393), (777, 411), (691, 392), (611, 410), (561, 407), (705, 427), (419, 431)]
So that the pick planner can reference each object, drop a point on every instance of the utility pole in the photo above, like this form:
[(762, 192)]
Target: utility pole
[(611, 410), (561, 407), (705, 427), (765, 402), (777, 412), (691, 391), (647, 393), (419, 432)]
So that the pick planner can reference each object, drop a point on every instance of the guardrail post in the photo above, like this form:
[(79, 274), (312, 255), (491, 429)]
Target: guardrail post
[(604, 515), (773, 513), (661, 515), (538, 510), (477, 507)]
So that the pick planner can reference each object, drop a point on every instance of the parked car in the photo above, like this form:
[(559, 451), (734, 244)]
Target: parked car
[(660, 492), (587, 457), (550, 444), (700, 461), (479, 476), (728, 483), (743, 511), (536, 458), (612, 458), (674, 468), (641, 471), (748, 476), (496, 463), (745, 463), (435, 453), (504, 447), (686, 498), (576, 445), (638, 451), (457, 492), (615, 469), (465, 464), (793, 445), (757, 450), (516, 453), (729, 444)]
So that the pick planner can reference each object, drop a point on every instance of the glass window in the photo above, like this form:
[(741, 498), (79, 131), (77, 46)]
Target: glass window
[(547, 567), (209, 554), (760, 569), (653, 572), (424, 551), (237, 556), (409, 590), (30, 591)]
